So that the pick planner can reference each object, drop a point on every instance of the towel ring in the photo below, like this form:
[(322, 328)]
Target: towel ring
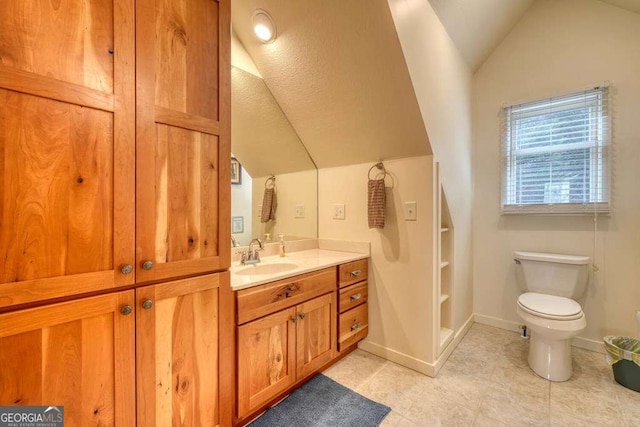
[(272, 180), (381, 168), (381, 171)]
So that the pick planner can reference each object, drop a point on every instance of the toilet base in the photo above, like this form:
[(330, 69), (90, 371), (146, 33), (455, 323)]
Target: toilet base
[(551, 359)]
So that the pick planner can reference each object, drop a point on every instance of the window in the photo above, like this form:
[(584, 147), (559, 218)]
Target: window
[(555, 156)]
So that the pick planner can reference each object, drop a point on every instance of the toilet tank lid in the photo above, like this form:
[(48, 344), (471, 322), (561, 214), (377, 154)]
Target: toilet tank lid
[(557, 258)]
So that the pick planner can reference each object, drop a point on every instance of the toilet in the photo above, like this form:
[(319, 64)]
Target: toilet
[(548, 308)]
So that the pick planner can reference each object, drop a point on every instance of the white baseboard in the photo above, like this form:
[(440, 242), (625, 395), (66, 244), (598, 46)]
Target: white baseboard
[(453, 344), (398, 357), (585, 343)]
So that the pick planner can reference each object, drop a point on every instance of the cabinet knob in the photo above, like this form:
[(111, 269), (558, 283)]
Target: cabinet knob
[(294, 319), (126, 269), (147, 265), (356, 296), (126, 310), (147, 304), (355, 326), (355, 273), (302, 316)]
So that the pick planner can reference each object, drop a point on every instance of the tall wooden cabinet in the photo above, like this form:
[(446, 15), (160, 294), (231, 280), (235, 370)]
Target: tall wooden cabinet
[(115, 196), (67, 158), (181, 112)]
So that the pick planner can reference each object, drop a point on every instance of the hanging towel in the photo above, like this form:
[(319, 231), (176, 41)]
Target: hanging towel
[(376, 203), (269, 204)]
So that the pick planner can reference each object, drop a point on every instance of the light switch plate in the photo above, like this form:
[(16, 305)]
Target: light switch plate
[(338, 211), (299, 211), (410, 211)]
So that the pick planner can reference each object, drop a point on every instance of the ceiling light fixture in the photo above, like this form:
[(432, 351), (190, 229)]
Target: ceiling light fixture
[(263, 26)]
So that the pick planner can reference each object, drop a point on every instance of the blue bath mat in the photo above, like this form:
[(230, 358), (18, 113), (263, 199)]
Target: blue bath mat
[(323, 402)]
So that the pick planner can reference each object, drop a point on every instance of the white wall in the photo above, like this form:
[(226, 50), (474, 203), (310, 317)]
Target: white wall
[(443, 85), (559, 47), (400, 282), (241, 206), (297, 188)]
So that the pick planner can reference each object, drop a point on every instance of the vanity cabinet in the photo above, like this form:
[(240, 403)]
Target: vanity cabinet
[(353, 320), (277, 350), (290, 329)]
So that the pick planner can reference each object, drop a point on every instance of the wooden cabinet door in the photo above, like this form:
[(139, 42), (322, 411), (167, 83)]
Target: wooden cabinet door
[(316, 334), (66, 147), (78, 354), (182, 141), (266, 359), (177, 349)]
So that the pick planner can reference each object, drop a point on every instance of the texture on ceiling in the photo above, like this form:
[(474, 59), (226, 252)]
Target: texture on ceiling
[(338, 72), (478, 27), (630, 5)]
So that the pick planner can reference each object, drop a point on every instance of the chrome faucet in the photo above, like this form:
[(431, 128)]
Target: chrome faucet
[(252, 256)]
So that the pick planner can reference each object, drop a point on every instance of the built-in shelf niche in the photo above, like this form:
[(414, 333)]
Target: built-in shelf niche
[(444, 254)]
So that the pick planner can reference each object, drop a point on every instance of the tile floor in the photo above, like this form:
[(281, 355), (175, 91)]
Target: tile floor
[(487, 382)]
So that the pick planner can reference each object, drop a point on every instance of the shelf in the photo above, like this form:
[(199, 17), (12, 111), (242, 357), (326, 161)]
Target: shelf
[(446, 335), (443, 298), (444, 264), (444, 229)]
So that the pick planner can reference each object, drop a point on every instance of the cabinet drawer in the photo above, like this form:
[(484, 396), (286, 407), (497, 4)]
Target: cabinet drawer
[(261, 300), (353, 296), (352, 272), (354, 326)]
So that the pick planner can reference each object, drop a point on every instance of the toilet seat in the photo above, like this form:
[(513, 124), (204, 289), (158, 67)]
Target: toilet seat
[(550, 306)]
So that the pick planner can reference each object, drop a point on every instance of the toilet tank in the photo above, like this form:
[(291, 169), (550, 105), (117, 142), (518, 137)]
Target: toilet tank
[(553, 274)]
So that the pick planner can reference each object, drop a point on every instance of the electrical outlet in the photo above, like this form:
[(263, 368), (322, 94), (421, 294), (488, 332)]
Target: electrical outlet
[(299, 211), (259, 212), (410, 211), (338, 211)]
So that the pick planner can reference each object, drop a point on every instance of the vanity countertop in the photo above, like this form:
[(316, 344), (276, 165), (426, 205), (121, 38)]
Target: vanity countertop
[(304, 261)]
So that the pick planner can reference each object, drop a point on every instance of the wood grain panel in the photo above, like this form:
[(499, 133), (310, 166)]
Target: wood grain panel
[(353, 326), (186, 56), (266, 359), (57, 188), (353, 272), (177, 353), (78, 354), (353, 295), (187, 121), (46, 87), (316, 334), (185, 173), (261, 300), (69, 40), (18, 384)]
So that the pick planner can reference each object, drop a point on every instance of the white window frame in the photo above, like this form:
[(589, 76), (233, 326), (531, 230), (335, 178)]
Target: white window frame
[(598, 144)]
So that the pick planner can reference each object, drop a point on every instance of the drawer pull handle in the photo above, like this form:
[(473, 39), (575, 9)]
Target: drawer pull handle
[(356, 296), (294, 319), (355, 326), (302, 316), (355, 273)]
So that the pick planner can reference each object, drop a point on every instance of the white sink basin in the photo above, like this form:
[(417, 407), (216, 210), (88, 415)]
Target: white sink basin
[(257, 269)]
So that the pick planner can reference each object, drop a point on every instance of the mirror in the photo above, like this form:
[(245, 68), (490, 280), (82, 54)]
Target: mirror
[(264, 144)]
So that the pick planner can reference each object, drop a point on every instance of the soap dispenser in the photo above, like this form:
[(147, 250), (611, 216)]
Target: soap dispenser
[(282, 252)]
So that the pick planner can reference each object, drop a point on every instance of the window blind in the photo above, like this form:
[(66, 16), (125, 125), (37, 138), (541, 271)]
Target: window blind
[(555, 156)]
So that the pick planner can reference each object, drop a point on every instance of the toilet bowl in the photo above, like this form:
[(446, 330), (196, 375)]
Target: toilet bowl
[(548, 309), (551, 322)]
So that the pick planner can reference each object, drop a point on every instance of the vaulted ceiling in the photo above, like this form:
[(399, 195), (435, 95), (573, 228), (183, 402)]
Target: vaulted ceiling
[(478, 26), (339, 74)]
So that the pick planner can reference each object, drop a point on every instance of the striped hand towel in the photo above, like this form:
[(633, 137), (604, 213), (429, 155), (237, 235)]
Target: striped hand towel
[(376, 203), (269, 204)]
